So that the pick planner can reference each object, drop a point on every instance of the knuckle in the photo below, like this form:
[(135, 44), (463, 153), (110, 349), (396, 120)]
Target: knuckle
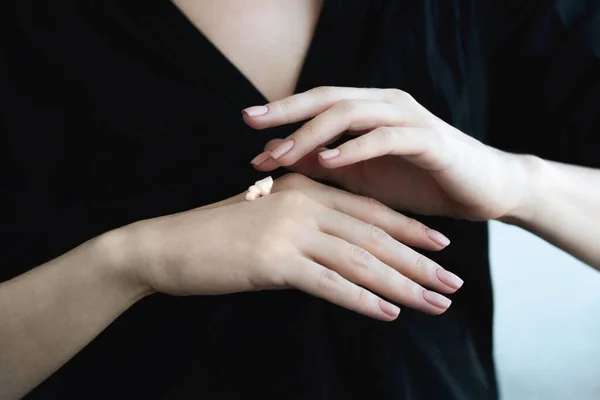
[(411, 290), (283, 105), (386, 135), (359, 145), (360, 257), (348, 106), (397, 96), (422, 263), (283, 109), (375, 205), (292, 180), (324, 91), (309, 129), (363, 296), (378, 235), (292, 199), (415, 227), (328, 280), (426, 269), (414, 292), (352, 146)]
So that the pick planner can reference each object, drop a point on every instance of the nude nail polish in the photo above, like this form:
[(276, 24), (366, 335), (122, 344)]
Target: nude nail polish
[(389, 309), (449, 279), (436, 299), (329, 154), (438, 238), (261, 158), (255, 111), (282, 149)]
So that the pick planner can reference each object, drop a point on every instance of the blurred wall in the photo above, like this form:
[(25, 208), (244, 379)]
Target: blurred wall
[(547, 319)]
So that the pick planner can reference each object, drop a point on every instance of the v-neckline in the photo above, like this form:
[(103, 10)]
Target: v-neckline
[(203, 52)]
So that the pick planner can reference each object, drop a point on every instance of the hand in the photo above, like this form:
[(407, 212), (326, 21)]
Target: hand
[(304, 235), (402, 154)]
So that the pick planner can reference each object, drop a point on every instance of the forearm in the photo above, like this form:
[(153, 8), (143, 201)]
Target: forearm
[(50, 313), (563, 207)]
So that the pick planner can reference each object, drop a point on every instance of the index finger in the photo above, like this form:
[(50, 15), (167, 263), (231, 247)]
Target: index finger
[(402, 228), (302, 106)]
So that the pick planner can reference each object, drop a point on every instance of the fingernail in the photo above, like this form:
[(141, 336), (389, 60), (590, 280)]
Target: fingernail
[(282, 149), (261, 158), (449, 279), (389, 309), (272, 144), (438, 238), (329, 154), (436, 299), (256, 111)]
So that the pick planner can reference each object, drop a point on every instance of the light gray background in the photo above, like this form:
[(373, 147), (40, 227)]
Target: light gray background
[(547, 319)]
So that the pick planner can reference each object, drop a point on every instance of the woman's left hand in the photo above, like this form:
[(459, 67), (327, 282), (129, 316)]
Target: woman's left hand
[(401, 154)]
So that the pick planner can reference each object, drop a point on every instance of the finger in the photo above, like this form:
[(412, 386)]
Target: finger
[(302, 106), (342, 116), (421, 147), (359, 266), (315, 279), (402, 228), (308, 165), (397, 255), (263, 161), (271, 144)]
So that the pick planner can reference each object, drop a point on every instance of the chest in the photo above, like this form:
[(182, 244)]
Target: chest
[(139, 113), (150, 98), (266, 40)]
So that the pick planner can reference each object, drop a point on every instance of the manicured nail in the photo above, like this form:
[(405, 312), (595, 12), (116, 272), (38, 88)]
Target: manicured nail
[(282, 149), (389, 309), (438, 238), (256, 111), (261, 158), (436, 299), (272, 144), (329, 154), (449, 279)]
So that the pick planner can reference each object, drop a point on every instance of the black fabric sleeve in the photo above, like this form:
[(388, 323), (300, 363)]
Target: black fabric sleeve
[(544, 79)]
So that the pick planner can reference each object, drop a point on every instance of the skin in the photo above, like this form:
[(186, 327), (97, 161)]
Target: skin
[(409, 159), (323, 241), (51, 312)]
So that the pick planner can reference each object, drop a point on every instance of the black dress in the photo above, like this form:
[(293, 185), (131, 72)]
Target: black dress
[(114, 111)]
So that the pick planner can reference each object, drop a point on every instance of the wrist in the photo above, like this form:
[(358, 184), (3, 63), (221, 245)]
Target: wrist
[(534, 175), (119, 252)]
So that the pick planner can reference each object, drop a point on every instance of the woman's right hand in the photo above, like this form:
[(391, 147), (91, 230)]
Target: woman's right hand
[(305, 235)]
